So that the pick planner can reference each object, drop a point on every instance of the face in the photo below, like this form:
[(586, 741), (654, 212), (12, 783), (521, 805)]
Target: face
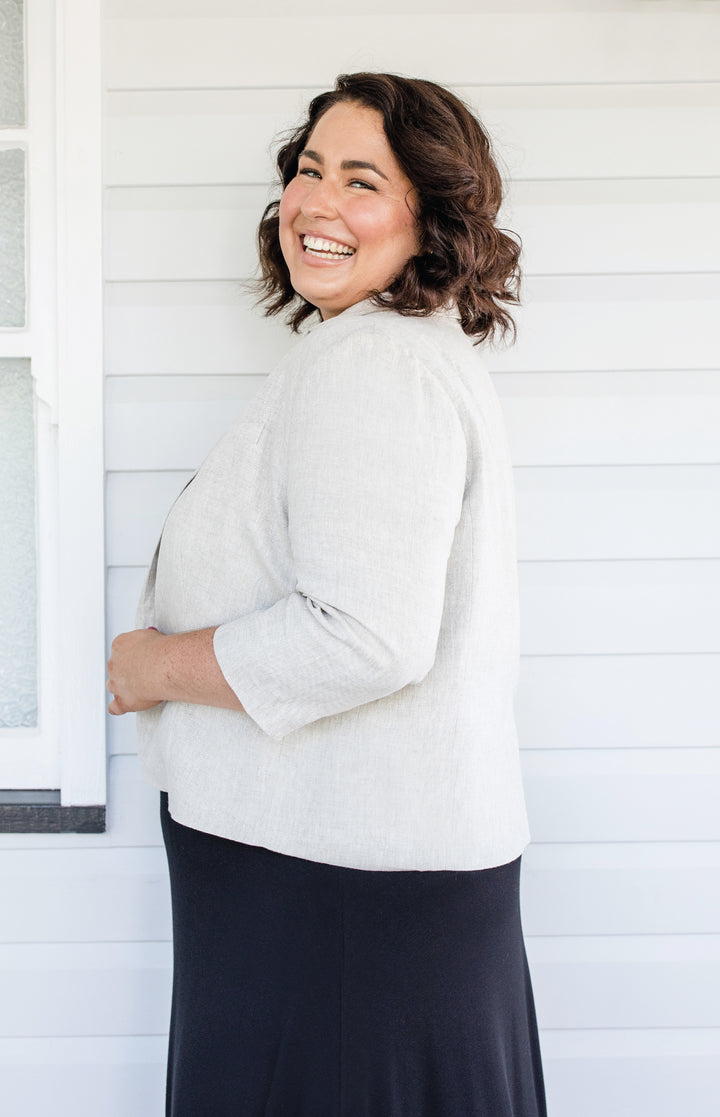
[(346, 223)]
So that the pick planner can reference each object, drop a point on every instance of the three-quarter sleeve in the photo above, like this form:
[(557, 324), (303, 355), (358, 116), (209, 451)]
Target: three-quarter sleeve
[(376, 464)]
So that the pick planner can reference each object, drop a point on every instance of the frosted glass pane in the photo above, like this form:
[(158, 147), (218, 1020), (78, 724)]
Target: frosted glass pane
[(12, 64), (18, 594), (12, 237)]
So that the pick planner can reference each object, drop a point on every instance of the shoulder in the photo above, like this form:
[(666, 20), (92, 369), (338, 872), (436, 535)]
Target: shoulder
[(366, 338), (381, 369)]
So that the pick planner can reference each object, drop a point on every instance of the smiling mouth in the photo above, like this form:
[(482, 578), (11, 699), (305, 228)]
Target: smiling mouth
[(326, 249)]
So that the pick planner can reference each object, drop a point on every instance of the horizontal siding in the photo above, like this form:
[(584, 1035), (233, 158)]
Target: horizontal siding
[(85, 989), (576, 608), (612, 399), (539, 47), (149, 134), (637, 795), (166, 233), (659, 1071), (640, 1074), (619, 701), (573, 324), (84, 1076), (118, 894), (590, 608), (123, 989), (591, 701), (574, 513), (114, 894), (599, 418), (120, 1076)]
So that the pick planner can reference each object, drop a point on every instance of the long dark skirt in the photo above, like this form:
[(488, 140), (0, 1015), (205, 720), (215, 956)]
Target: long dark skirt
[(309, 990)]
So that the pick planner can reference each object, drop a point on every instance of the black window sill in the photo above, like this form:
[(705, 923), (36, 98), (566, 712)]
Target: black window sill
[(40, 812)]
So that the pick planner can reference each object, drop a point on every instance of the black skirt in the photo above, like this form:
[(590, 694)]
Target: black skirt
[(310, 990)]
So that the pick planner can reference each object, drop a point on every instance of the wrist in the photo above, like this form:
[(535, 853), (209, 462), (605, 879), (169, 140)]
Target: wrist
[(156, 668)]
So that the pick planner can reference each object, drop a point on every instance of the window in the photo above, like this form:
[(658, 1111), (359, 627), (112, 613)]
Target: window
[(52, 702)]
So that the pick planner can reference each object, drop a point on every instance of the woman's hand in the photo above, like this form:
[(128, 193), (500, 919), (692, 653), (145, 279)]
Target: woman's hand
[(133, 671), (147, 667)]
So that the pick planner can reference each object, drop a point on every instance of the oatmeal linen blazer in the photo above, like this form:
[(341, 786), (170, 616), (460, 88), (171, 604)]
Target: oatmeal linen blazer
[(352, 535)]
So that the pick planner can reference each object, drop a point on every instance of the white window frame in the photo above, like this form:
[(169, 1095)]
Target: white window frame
[(63, 340)]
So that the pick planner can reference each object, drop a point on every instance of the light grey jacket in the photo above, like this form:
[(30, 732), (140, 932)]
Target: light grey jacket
[(353, 537)]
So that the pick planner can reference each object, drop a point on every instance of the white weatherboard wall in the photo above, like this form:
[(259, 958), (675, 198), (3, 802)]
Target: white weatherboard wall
[(606, 115)]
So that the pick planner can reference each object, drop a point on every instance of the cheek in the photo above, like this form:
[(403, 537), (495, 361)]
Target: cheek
[(398, 233), (286, 216), (290, 202)]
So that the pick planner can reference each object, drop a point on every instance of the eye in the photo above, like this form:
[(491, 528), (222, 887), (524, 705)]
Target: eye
[(310, 172), (360, 184)]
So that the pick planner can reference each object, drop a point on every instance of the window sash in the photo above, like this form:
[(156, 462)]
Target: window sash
[(63, 340)]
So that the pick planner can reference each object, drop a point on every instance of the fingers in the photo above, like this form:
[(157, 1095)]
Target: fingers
[(117, 707)]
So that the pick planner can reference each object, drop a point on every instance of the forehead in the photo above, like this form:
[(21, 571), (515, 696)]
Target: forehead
[(353, 131)]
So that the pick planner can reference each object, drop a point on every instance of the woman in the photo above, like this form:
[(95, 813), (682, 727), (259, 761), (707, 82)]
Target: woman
[(328, 702)]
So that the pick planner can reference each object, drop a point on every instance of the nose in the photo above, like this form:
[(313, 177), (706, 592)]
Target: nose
[(320, 200)]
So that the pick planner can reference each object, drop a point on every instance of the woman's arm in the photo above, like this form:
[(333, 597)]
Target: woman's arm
[(147, 667), (375, 457)]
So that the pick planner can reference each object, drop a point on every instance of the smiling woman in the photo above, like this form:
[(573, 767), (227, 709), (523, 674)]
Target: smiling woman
[(425, 152), (344, 236), (326, 655)]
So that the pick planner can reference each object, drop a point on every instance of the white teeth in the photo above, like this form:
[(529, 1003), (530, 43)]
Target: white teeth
[(317, 246)]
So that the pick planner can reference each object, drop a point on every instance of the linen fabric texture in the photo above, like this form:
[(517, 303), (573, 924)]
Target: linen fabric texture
[(352, 535)]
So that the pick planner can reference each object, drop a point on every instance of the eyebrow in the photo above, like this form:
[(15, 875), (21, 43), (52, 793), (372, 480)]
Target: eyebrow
[(347, 164)]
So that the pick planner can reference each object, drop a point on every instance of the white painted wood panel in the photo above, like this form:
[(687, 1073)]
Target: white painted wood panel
[(593, 701), (200, 232), (639, 981), (541, 47), (615, 238), (172, 422), (655, 512), (122, 894), (90, 895), (86, 989), (620, 888), (595, 512), (135, 520), (192, 232), (124, 585), (123, 989), (596, 332), (637, 795), (611, 608), (618, 701), (135, 805), (180, 137), (121, 735), (612, 418), (659, 1071), (574, 608), (631, 1073), (188, 328), (83, 1076), (603, 118), (572, 324), (619, 418)]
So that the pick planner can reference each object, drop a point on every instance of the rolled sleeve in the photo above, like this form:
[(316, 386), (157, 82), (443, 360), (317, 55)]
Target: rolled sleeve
[(376, 462)]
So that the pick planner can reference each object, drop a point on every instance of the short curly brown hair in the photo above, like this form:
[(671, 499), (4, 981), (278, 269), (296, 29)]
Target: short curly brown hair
[(445, 152)]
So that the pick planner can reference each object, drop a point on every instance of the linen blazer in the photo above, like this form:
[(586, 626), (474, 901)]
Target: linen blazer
[(352, 536)]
